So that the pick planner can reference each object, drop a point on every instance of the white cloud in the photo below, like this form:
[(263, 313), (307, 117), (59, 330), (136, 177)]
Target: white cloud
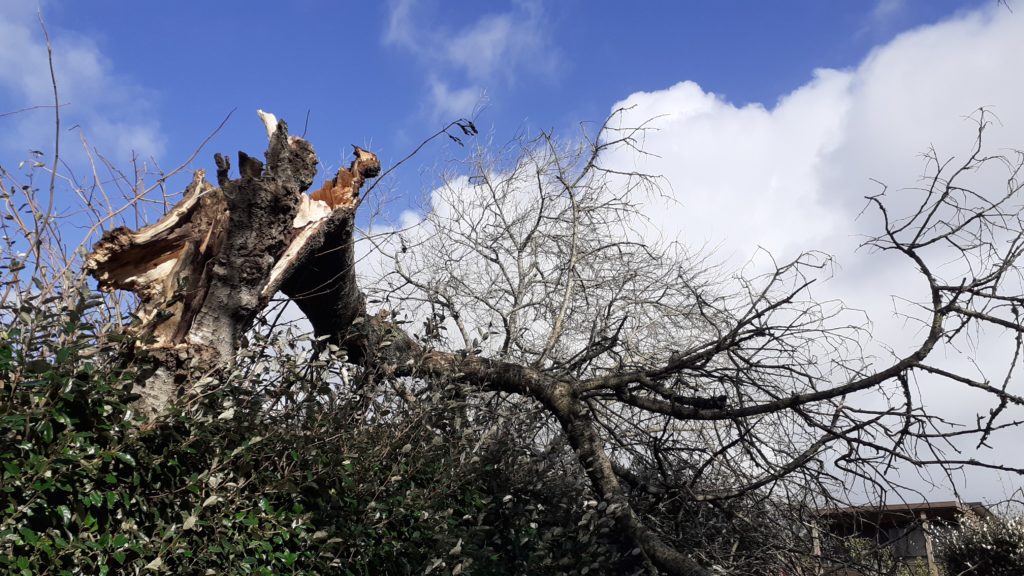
[(742, 177), (113, 112), (493, 49), (792, 176)]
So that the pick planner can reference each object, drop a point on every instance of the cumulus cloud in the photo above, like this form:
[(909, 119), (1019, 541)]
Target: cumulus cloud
[(741, 176), (113, 112), (791, 176), (463, 63)]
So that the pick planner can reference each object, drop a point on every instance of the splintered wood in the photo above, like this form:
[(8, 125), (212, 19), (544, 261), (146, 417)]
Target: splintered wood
[(164, 263), (170, 264), (207, 268), (342, 191)]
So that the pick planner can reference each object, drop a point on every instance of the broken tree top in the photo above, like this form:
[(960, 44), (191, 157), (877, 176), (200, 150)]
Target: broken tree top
[(212, 262)]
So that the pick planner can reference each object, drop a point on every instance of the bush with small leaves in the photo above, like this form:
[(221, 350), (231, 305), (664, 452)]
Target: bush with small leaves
[(278, 466), (991, 546)]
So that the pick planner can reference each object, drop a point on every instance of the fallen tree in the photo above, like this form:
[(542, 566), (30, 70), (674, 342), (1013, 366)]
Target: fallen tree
[(641, 362)]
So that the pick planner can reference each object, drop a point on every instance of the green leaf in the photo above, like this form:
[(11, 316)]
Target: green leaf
[(93, 499), (62, 418), (126, 458), (63, 354), (29, 535), (46, 431)]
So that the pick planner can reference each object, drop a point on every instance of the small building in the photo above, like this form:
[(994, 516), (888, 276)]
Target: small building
[(906, 530)]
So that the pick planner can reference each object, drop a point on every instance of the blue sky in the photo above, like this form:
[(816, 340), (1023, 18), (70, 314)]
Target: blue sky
[(773, 116), (376, 73)]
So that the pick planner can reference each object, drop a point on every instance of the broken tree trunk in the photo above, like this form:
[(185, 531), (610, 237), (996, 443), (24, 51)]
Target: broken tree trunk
[(205, 269)]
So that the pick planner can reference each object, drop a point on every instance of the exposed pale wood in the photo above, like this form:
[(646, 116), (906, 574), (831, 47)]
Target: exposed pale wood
[(342, 191), (201, 270), (160, 262)]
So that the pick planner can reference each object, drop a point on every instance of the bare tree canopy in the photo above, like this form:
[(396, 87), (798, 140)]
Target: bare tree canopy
[(664, 373)]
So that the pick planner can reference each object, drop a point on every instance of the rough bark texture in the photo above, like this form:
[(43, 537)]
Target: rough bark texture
[(321, 279), (201, 272), (204, 270)]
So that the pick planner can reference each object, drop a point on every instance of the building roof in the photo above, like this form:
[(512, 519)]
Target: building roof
[(903, 513)]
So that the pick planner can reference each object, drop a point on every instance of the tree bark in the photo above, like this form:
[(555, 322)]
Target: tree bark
[(204, 270)]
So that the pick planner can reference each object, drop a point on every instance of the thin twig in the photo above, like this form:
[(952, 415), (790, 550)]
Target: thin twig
[(31, 108), (191, 157), (56, 141), (415, 151)]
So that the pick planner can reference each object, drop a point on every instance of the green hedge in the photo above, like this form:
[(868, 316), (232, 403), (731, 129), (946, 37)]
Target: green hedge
[(983, 546), (273, 468)]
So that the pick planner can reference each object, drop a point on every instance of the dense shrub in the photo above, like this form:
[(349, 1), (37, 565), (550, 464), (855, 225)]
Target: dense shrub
[(284, 465), (86, 492), (983, 546)]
